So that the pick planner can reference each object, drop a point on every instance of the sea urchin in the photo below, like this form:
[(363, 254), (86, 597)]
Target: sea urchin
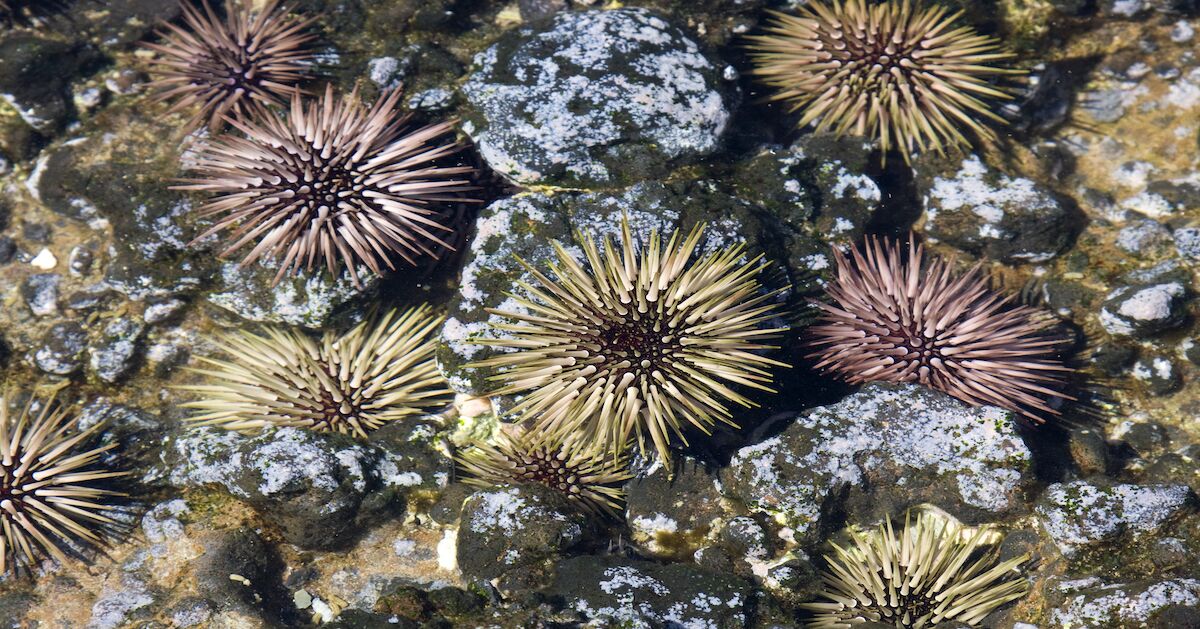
[(332, 182), (380, 371), (48, 501), (932, 573), (253, 57), (897, 319), (909, 77), (635, 342), (591, 480)]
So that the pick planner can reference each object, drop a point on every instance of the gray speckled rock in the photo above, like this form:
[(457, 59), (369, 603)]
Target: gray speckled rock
[(880, 450), (1141, 310), (594, 98), (40, 292), (115, 353), (61, 350), (1093, 603), (319, 488), (1158, 374), (313, 301), (515, 527), (988, 213), (1082, 513), (620, 592)]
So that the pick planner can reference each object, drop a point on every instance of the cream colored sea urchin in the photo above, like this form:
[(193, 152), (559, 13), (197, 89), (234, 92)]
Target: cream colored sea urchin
[(49, 501), (934, 572), (380, 371), (907, 75), (635, 341), (590, 479)]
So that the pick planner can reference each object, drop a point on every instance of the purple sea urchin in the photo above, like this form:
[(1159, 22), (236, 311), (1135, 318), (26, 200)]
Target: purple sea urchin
[(333, 182), (629, 342), (48, 502), (934, 572), (380, 371), (223, 67), (589, 479), (907, 76), (898, 319)]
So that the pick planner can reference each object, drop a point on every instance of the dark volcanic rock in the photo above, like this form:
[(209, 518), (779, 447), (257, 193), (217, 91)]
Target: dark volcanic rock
[(516, 527), (879, 451), (320, 489), (594, 98), (35, 75)]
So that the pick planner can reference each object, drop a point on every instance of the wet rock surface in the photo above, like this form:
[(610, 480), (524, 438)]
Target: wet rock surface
[(594, 98), (880, 450)]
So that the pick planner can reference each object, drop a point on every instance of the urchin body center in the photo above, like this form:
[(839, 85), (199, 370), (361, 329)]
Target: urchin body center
[(545, 469), (636, 344), (917, 349)]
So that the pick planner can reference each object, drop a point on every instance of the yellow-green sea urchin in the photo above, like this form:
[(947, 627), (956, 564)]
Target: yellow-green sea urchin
[(935, 571), (380, 371), (590, 479), (906, 75), (635, 342), (48, 498)]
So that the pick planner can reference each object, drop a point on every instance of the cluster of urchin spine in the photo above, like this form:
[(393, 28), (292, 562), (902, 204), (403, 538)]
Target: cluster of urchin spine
[(910, 77), (51, 499), (935, 571), (327, 183)]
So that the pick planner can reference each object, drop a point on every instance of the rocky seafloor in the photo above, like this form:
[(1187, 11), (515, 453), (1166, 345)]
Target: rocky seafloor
[(586, 111)]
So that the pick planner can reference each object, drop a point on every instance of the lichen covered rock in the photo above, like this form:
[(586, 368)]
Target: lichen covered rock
[(320, 489), (984, 212), (1082, 513), (594, 98), (515, 527)]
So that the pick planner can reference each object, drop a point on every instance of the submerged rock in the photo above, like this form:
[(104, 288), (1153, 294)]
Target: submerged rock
[(61, 352), (1093, 603), (880, 450), (1141, 310), (594, 98), (516, 527), (615, 591), (311, 301), (1082, 513), (671, 516), (320, 489), (35, 73), (987, 213)]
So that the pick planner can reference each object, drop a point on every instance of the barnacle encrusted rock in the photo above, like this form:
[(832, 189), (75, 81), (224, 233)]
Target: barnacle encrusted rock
[(594, 98), (1091, 602), (880, 450), (311, 300)]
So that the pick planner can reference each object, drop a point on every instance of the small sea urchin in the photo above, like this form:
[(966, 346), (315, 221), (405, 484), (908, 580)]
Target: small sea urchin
[(909, 77), (934, 572), (635, 342), (898, 319), (49, 503), (589, 479), (332, 182), (380, 371), (223, 67)]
